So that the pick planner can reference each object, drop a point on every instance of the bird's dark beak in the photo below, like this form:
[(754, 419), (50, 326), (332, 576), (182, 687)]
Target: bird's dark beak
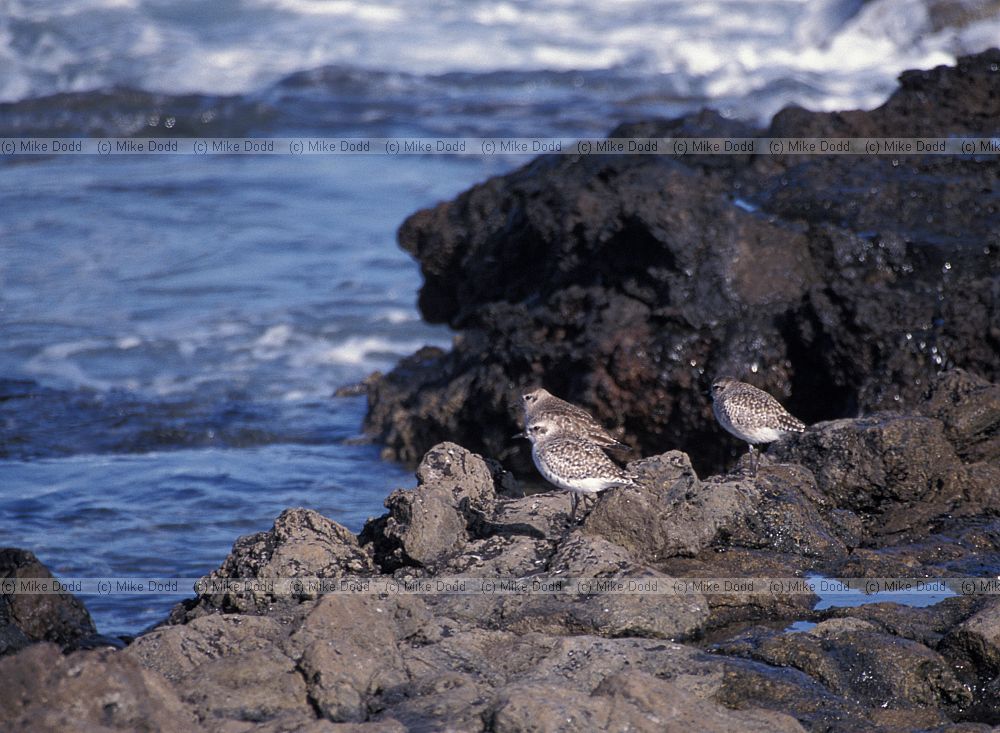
[(519, 435)]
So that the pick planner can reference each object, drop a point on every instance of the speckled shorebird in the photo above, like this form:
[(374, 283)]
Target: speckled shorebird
[(752, 415), (540, 403), (572, 462)]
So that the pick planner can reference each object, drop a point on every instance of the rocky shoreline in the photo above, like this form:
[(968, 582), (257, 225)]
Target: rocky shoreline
[(854, 286), (626, 284), (889, 495)]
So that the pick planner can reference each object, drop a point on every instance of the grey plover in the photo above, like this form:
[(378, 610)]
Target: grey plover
[(572, 462), (541, 403), (751, 415)]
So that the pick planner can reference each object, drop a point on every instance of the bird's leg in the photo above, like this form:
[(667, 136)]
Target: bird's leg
[(754, 461), (574, 500)]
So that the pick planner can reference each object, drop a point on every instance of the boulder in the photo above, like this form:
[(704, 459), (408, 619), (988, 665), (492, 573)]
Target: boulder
[(428, 524), (897, 473), (100, 690), (671, 512), (628, 701), (975, 643), (613, 595), (29, 617), (350, 652), (301, 544), (969, 408), (175, 651), (254, 686), (852, 658)]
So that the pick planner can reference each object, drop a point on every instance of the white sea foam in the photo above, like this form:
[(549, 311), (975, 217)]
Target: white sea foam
[(365, 350), (850, 51), (395, 315), (364, 11), (63, 363), (275, 336), (279, 361)]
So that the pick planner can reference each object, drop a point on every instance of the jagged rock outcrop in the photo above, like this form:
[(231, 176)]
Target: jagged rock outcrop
[(841, 284)]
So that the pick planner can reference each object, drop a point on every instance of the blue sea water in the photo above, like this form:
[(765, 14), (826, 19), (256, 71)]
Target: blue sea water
[(173, 328)]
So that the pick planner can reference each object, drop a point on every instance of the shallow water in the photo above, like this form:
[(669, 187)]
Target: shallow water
[(837, 595), (797, 626), (174, 514)]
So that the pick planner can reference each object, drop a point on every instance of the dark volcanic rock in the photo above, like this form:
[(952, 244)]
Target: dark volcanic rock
[(895, 477), (89, 691), (532, 661), (26, 618), (330, 657), (176, 651), (261, 685), (627, 283), (852, 658), (301, 544), (582, 556), (969, 408), (428, 524), (975, 643), (926, 625), (673, 513), (896, 472), (627, 701), (350, 652)]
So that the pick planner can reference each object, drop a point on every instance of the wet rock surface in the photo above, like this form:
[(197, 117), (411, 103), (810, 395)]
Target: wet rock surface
[(502, 659), (625, 284), (26, 618), (853, 659)]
